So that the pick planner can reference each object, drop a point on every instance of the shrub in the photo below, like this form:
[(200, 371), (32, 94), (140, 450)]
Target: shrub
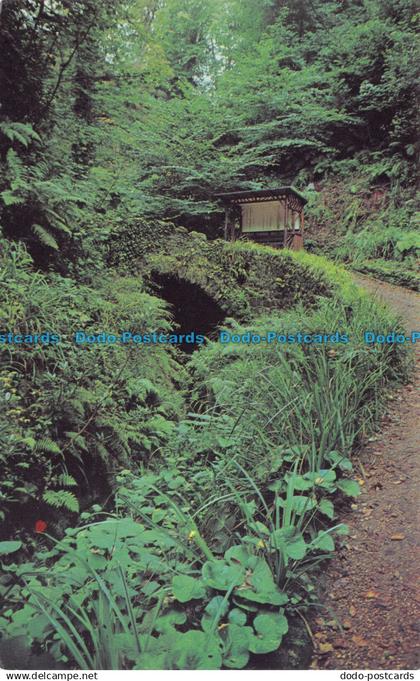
[(72, 415), (388, 270)]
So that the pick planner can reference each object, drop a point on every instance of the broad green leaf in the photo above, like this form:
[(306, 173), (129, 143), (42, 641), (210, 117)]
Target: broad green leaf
[(9, 547), (350, 487), (187, 588), (236, 646), (237, 616), (261, 577), (290, 541), (270, 629), (38, 625), (237, 554), (218, 575), (150, 588), (301, 483), (192, 650), (214, 611), (323, 542), (326, 507)]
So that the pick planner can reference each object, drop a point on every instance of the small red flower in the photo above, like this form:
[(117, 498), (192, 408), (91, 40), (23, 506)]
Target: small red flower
[(40, 526)]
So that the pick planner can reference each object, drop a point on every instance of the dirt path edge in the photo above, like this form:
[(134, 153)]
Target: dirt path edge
[(370, 586)]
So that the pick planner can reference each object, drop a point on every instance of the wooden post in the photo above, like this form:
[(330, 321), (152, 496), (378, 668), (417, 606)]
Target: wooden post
[(232, 227), (286, 220), (226, 230)]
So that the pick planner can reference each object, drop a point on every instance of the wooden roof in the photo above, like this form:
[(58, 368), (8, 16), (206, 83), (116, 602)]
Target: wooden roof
[(257, 195)]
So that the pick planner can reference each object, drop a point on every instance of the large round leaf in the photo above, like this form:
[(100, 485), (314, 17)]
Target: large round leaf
[(218, 575), (187, 588), (270, 629), (350, 487), (195, 650), (236, 646), (323, 542)]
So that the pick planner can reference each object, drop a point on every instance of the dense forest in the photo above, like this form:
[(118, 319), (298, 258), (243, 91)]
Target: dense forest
[(163, 508)]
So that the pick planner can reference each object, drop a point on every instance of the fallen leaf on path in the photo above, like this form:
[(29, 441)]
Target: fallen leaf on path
[(346, 624), (325, 648), (352, 610), (359, 640), (397, 537), (371, 594)]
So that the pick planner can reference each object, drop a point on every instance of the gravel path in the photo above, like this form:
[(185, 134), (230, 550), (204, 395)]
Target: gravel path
[(370, 586)]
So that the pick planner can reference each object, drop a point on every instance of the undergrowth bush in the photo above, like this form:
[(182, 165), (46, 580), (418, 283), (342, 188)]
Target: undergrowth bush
[(380, 242), (369, 225), (73, 415), (212, 547), (392, 271), (322, 397)]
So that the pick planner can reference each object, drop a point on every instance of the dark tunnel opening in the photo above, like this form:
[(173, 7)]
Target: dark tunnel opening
[(192, 308)]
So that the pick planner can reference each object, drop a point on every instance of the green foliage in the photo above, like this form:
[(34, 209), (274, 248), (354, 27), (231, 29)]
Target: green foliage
[(72, 413), (90, 589), (7, 547), (388, 244), (136, 240), (212, 545), (365, 224), (42, 180), (120, 122), (394, 272), (232, 96), (20, 132), (61, 499), (322, 398)]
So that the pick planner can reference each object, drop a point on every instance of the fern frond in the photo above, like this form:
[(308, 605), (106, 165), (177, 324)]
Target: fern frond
[(103, 452), (47, 445), (66, 480), (61, 499), (10, 199), (77, 439), (45, 236), (22, 132), (77, 406), (57, 222)]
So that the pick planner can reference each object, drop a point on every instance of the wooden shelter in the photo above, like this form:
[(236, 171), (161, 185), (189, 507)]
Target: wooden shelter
[(273, 217)]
